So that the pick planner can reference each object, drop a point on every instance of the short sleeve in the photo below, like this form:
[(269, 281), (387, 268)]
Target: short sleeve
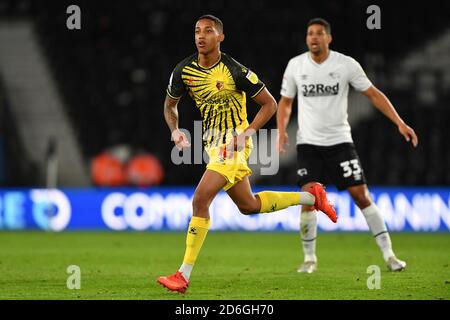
[(357, 77), (176, 87), (249, 82), (288, 86)]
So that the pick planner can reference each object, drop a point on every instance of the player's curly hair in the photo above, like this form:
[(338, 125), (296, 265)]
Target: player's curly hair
[(322, 22), (217, 21)]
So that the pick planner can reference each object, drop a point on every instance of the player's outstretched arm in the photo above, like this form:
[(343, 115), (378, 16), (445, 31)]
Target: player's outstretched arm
[(283, 115), (382, 103), (171, 116)]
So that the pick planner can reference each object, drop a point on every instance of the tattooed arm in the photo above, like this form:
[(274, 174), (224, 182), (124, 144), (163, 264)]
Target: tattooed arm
[(171, 113), (171, 116)]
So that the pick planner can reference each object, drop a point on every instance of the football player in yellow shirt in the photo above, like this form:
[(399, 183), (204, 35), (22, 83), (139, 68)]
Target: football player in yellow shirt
[(218, 84)]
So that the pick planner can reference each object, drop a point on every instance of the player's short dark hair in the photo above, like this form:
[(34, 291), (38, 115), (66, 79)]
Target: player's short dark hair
[(217, 21), (322, 22)]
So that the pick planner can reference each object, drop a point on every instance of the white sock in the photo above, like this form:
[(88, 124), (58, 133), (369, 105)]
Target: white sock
[(379, 230), (186, 270), (307, 198), (308, 233)]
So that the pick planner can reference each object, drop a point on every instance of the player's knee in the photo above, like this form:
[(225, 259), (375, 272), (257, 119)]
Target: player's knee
[(362, 200), (200, 202)]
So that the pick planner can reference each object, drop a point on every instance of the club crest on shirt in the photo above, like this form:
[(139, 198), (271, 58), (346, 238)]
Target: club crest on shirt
[(219, 85)]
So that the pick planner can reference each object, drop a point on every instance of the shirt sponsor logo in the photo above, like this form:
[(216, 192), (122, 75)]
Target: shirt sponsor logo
[(214, 101), (319, 90)]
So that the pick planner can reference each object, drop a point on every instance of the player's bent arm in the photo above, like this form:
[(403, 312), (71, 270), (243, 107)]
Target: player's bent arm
[(171, 112), (284, 112), (171, 116), (268, 109), (382, 103)]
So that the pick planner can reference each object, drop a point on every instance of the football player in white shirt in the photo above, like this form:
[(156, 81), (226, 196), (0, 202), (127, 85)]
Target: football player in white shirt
[(320, 78)]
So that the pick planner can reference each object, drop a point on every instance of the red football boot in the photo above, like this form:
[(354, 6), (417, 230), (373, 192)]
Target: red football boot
[(322, 203), (174, 282)]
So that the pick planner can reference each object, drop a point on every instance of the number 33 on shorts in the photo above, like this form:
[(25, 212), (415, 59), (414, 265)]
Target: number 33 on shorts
[(351, 167)]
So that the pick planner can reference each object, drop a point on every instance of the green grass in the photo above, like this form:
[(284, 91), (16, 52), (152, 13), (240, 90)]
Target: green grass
[(241, 265)]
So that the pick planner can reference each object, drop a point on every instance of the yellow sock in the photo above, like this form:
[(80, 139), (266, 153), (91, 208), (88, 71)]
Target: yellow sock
[(196, 234), (274, 201)]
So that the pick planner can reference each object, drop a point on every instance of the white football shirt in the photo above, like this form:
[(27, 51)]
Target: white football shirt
[(322, 91)]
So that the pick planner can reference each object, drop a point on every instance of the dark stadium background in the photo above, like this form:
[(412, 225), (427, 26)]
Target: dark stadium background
[(112, 74), (73, 99)]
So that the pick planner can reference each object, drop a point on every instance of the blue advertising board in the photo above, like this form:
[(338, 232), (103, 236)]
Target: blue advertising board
[(169, 208)]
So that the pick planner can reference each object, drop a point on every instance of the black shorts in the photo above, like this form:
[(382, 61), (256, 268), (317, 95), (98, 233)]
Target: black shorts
[(338, 164)]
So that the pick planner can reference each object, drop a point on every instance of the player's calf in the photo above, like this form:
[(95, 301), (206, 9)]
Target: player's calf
[(249, 208)]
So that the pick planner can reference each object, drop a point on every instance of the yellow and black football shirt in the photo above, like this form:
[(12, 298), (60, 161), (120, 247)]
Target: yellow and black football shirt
[(219, 93)]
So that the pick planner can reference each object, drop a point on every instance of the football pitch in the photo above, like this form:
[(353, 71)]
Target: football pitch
[(231, 265)]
